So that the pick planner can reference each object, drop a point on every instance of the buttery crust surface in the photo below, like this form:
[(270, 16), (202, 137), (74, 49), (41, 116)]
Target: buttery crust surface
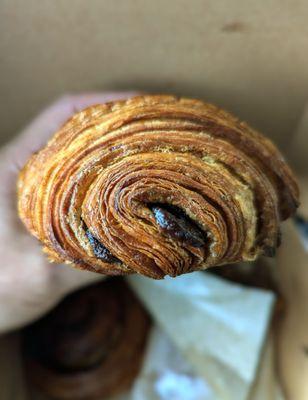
[(157, 185)]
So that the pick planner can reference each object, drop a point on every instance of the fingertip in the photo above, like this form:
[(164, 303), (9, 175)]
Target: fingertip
[(83, 100), (70, 279), (38, 132)]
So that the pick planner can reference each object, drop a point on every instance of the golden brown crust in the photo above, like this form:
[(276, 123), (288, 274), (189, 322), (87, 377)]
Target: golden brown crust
[(90, 347), (109, 163)]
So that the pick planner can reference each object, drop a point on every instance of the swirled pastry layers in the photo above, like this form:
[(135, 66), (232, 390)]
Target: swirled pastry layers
[(90, 346), (156, 185)]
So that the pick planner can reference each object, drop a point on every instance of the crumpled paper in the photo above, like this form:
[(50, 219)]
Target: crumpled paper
[(219, 327), (167, 375)]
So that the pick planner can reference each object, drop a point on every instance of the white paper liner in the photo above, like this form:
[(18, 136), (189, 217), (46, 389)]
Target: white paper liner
[(218, 326), (167, 375)]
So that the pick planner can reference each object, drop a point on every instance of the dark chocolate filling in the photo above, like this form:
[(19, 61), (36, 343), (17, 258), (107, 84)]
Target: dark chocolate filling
[(269, 251), (176, 224), (100, 251)]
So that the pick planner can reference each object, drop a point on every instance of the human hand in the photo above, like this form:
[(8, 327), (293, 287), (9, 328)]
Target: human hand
[(29, 284)]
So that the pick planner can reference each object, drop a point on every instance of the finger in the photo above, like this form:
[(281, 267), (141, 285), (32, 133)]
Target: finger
[(36, 134), (69, 279)]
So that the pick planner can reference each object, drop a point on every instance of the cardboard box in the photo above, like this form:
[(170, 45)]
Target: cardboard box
[(247, 56)]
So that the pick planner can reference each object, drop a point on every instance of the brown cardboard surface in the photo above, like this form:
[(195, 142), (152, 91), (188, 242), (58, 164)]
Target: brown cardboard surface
[(248, 56), (292, 333), (299, 153)]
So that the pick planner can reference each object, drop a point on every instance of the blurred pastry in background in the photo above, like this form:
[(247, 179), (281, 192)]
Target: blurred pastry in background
[(90, 346)]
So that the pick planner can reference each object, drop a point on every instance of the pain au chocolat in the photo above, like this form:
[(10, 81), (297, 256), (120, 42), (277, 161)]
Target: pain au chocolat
[(156, 185), (90, 346)]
